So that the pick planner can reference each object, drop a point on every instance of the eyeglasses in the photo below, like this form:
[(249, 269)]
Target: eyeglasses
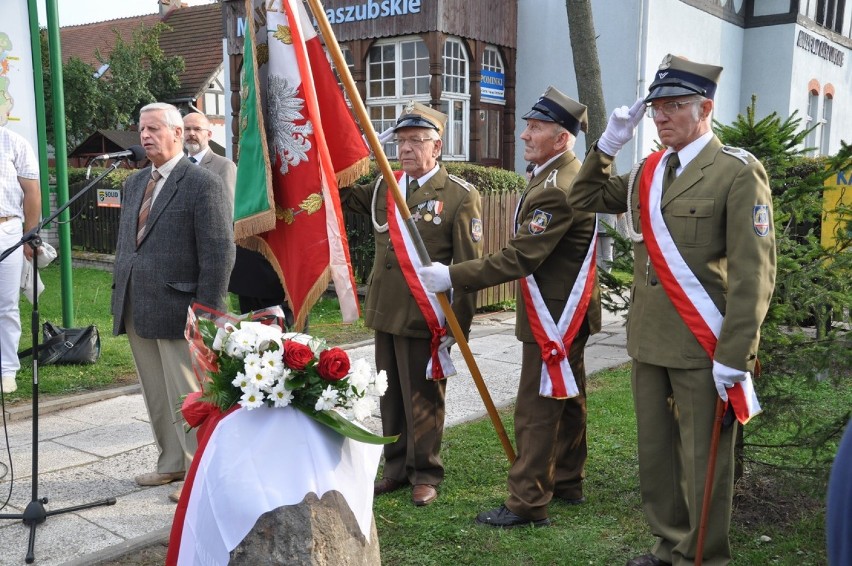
[(668, 108), (413, 142)]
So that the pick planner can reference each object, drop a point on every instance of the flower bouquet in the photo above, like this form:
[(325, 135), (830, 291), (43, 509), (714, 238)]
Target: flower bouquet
[(250, 361)]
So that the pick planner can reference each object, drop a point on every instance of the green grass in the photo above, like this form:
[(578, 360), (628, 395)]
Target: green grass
[(92, 290), (608, 529)]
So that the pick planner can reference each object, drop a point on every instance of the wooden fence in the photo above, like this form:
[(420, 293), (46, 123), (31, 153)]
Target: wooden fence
[(95, 229)]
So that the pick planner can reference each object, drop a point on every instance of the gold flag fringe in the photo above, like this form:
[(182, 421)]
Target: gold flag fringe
[(347, 177), (300, 312), (255, 224)]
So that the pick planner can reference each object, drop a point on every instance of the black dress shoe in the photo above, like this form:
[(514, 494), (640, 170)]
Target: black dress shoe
[(505, 519), (647, 560), (387, 485)]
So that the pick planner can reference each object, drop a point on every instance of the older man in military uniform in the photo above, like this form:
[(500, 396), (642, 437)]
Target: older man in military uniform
[(412, 344), (700, 217), (553, 254)]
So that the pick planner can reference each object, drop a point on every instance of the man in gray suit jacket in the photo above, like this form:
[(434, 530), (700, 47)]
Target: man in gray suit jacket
[(175, 245), (196, 141)]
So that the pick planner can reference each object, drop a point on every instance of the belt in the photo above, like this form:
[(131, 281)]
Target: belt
[(5, 218)]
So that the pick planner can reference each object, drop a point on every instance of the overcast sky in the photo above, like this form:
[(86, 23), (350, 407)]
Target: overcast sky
[(73, 12)]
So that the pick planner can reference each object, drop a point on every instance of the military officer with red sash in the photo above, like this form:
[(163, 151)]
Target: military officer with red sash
[(552, 253), (412, 342), (700, 216)]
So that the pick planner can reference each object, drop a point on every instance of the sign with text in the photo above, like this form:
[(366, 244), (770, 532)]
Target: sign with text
[(493, 87), (109, 198)]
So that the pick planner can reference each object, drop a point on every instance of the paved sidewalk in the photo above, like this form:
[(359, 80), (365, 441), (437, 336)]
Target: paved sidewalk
[(90, 448)]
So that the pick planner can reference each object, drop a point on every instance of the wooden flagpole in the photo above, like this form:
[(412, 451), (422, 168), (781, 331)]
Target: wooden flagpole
[(393, 186), (721, 406)]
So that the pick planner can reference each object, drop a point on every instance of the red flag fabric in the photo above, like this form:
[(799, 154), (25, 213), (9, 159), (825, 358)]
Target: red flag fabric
[(303, 107)]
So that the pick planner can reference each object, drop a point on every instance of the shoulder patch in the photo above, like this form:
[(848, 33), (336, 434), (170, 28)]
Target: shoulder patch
[(540, 220), (760, 219), (467, 186), (739, 153)]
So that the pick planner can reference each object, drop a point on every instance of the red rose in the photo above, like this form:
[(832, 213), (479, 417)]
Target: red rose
[(297, 356), (333, 364)]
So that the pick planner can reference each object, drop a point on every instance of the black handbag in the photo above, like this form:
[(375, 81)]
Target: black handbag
[(67, 345)]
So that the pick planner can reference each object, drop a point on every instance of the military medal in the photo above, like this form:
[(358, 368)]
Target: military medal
[(427, 217), (439, 206)]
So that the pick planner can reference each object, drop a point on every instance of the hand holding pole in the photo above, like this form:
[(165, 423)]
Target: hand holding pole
[(399, 199)]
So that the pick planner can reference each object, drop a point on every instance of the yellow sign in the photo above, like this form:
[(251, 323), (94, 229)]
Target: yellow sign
[(837, 195)]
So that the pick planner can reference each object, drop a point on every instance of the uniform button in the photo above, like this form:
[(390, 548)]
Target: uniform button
[(653, 282), (692, 211), (388, 265)]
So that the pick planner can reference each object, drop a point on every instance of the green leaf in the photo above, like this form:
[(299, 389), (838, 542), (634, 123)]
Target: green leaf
[(339, 424)]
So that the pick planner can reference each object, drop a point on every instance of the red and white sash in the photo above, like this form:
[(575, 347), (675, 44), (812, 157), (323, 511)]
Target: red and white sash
[(440, 364), (555, 339), (683, 288)]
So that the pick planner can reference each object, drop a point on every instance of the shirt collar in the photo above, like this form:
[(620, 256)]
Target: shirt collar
[(539, 168), (692, 150), (200, 155), (425, 178), (166, 168)]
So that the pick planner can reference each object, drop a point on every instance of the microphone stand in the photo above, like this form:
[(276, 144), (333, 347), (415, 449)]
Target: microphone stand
[(35, 513)]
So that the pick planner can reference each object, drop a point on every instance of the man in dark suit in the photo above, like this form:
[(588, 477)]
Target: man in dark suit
[(448, 215), (552, 253), (700, 217), (175, 245)]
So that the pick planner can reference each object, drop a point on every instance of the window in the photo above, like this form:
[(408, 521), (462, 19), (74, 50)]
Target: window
[(826, 125), (214, 99), (812, 122), (491, 60), (350, 62), (397, 72), (829, 14), (382, 118), (455, 101), (492, 128)]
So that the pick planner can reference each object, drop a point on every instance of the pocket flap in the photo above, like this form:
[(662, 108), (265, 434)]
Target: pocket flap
[(696, 208)]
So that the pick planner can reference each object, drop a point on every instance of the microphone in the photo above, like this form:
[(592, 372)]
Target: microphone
[(134, 152)]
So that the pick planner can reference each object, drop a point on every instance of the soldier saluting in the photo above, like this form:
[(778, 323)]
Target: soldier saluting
[(700, 216)]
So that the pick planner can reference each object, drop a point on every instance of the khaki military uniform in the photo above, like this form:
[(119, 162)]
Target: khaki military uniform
[(708, 210), (550, 434), (413, 406)]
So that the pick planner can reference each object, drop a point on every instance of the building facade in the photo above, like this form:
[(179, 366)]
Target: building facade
[(485, 62), (792, 55)]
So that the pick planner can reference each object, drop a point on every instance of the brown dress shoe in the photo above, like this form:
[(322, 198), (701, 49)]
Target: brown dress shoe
[(647, 560), (387, 485), (156, 478), (423, 494), (175, 495)]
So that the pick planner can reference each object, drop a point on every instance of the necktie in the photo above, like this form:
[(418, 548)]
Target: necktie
[(671, 170), (147, 198), (413, 185), (192, 159)]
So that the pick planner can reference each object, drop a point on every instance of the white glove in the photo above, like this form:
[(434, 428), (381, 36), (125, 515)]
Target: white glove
[(384, 137), (725, 378), (619, 128), (387, 135), (436, 277), (447, 342)]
